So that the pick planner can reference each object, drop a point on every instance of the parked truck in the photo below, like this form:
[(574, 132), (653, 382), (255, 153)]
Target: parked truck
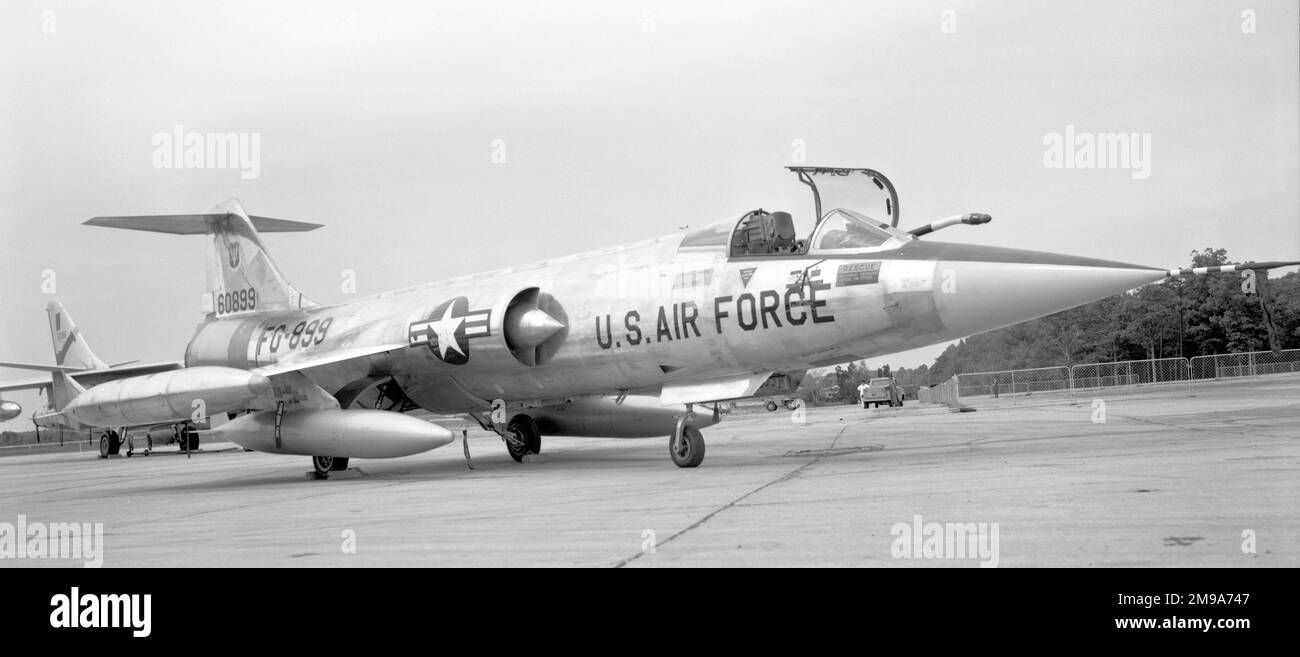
[(880, 391)]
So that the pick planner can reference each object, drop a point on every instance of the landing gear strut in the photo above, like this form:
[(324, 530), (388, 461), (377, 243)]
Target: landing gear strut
[(686, 446), (324, 465), (522, 437)]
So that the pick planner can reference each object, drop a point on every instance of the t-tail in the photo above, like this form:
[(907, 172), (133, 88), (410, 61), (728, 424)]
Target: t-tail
[(242, 277)]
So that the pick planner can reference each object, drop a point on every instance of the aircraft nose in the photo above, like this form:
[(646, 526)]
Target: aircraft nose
[(981, 288)]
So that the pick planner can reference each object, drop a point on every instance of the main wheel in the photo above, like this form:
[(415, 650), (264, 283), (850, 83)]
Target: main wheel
[(687, 452), (524, 430), (324, 465), (109, 444)]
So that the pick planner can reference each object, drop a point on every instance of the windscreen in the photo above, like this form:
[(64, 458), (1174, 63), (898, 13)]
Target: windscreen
[(842, 229)]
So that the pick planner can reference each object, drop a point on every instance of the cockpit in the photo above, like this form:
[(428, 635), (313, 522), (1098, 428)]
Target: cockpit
[(854, 209)]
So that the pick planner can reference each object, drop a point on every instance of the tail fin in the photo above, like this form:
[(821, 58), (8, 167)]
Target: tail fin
[(63, 389), (70, 348), (242, 276)]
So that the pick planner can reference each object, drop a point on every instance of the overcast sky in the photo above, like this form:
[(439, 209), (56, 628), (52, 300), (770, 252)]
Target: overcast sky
[(616, 121)]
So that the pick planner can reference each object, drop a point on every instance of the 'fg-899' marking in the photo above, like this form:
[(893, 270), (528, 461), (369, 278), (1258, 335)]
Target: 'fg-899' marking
[(304, 334), (236, 301)]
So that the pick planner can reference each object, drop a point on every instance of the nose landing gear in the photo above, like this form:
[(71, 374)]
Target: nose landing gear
[(686, 447), (686, 444)]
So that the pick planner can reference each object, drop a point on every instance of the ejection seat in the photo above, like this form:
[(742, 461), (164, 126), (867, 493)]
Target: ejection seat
[(764, 233)]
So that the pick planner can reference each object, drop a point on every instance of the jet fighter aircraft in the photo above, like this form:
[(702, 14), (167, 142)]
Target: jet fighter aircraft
[(76, 367), (624, 342)]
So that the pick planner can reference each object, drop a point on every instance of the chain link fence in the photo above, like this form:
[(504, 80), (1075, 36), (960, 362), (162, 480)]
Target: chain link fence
[(1091, 376), (1253, 363), (1011, 382), (1130, 373)]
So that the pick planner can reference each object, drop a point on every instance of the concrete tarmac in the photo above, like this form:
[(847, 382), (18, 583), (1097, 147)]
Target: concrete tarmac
[(1150, 477)]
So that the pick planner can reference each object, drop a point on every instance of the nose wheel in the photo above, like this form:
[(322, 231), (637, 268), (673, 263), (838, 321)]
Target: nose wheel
[(686, 447)]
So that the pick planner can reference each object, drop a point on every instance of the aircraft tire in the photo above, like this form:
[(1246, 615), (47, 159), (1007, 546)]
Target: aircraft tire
[(524, 427), (689, 452), (324, 465), (771, 406)]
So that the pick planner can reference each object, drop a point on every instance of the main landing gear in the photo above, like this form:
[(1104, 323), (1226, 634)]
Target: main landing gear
[(186, 436), (110, 443), (324, 465), (522, 437)]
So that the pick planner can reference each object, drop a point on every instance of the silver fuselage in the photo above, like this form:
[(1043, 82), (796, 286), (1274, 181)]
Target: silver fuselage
[(644, 315)]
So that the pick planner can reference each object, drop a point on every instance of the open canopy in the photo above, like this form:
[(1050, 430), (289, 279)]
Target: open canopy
[(853, 209)]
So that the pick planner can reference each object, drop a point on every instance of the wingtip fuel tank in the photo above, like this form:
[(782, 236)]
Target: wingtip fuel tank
[(357, 433)]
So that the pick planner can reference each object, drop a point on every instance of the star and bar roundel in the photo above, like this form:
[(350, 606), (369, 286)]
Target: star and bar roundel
[(450, 328)]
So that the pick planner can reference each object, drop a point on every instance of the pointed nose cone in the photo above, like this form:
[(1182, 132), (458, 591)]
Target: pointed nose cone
[(531, 328), (981, 288)]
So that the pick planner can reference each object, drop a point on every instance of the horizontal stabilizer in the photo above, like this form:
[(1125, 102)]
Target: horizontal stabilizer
[(197, 224), (41, 368), (242, 277), (25, 384)]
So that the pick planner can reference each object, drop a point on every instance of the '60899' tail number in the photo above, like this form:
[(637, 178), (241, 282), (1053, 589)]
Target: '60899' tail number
[(236, 301)]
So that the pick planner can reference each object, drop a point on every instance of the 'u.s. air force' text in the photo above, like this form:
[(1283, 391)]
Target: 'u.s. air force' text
[(748, 311)]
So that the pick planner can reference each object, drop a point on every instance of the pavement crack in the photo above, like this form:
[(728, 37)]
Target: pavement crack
[(783, 478)]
